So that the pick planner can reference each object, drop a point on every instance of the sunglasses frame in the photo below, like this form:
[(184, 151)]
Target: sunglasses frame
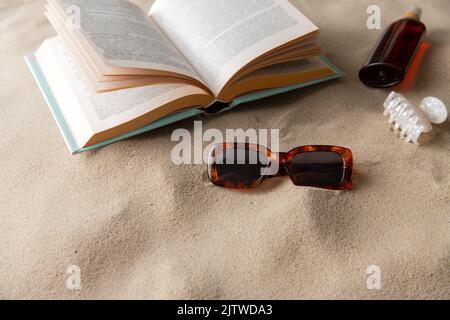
[(284, 161)]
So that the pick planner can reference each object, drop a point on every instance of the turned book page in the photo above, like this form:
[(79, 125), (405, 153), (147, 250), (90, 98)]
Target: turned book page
[(124, 36), (220, 37)]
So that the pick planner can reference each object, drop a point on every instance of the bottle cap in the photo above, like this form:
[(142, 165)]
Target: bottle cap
[(413, 13), (434, 109)]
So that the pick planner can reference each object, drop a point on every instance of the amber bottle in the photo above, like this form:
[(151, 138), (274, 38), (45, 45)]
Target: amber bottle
[(394, 52)]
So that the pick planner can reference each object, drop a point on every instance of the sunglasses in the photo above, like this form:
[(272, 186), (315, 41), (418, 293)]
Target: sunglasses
[(235, 165)]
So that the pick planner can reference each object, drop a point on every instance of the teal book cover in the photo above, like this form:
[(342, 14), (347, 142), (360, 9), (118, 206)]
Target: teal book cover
[(72, 144)]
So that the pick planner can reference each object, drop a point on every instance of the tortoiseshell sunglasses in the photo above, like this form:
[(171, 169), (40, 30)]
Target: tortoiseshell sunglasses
[(235, 165)]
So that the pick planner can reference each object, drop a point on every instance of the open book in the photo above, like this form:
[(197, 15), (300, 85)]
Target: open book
[(114, 70)]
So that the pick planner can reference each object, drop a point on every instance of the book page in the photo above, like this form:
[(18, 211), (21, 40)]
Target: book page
[(220, 37), (87, 111), (124, 36)]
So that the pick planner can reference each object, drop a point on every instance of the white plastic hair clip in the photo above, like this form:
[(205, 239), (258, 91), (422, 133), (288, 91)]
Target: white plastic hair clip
[(410, 121)]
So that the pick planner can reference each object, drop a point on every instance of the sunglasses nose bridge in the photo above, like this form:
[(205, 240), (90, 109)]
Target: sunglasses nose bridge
[(283, 158), (284, 167), (278, 165)]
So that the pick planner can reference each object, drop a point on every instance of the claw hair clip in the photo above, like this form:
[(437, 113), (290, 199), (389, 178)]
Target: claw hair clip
[(410, 121)]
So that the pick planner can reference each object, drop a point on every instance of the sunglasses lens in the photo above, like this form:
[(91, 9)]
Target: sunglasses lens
[(238, 168), (318, 169)]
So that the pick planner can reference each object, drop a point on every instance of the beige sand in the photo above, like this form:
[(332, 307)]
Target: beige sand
[(140, 227)]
